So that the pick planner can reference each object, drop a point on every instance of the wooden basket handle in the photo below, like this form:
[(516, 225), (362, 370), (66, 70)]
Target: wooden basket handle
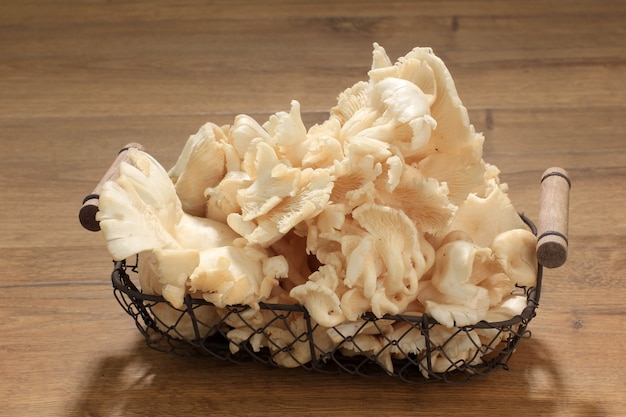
[(552, 240), (89, 209)]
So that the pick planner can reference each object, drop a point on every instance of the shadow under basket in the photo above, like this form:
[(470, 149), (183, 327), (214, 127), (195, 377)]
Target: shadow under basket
[(413, 348)]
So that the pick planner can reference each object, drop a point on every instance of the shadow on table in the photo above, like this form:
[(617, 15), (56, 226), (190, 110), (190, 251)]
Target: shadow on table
[(144, 382)]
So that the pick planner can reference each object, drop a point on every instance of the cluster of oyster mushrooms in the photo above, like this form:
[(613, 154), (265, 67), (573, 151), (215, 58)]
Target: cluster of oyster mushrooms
[(386, 207)]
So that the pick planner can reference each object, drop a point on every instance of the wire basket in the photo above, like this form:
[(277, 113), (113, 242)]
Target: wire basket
[(413, 348), (411, 353)]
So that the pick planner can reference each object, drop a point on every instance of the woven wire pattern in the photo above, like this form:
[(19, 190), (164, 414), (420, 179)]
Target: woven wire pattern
[(411, 348)]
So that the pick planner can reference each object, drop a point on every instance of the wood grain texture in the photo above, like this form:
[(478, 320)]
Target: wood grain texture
[(544, 80)]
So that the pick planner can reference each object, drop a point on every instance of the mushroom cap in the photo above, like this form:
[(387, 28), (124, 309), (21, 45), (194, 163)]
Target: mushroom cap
[(244, 131), (459, 348), (279, 215), (424, 200), (449, 296), (201, 165), (227, 275), (354, 304), (362, 265), (483, 218), (350, 101), (396, 242), (508, 308), (405, 120), (368, 345), (515, 251), (272, 181), (289, 346), (409, 340), (321, 302)]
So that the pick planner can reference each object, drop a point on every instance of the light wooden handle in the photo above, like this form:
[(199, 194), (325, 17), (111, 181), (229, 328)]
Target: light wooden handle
[(89, 209), (552, 242)]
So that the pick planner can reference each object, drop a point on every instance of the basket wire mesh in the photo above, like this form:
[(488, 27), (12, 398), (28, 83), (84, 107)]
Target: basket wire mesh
[(409, 353)]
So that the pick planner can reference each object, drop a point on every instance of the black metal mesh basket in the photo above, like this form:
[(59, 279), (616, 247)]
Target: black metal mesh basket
[(413, 348)]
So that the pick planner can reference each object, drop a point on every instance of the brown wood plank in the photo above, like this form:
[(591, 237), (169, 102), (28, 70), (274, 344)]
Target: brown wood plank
[(545, 81)]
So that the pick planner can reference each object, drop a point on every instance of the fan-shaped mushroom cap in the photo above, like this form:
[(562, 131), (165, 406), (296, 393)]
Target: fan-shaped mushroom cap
[(350, 101), (405, 120), (227, 275), (515, 251), (369, 345), (321, 302), (459, 348), (202, 164), (279, 215), (363, 266), (484, 218), (424, 200), (397, 244), (508, 308), (354, 304), (272, 181), (222, 199), (244, 132), (173, 267), (409, 340), (289, 346), (450, 298)]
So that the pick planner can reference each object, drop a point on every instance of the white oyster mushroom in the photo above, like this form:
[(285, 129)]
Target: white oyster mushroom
[(498, 286), (397, 244), (363, 266), (453, 152), (408, 340), (245, 334), (510, 307), (515, 251), (483, 218), (459, 348), (168, 318), (451, 299), (289, 134), (405, 119), (272, 181), (383, 303), (453, 268), (306, 200), (173, 267), (354, 181), (354, 304), (289, 347), (244, 132), (222, 199), (321, 302), (316, 148), (350, 101), (424, 200), (382, 67), (228, 275), (202, 164), (387, 207), (274, 269), (369, 345), (141, 212), (380, 59)]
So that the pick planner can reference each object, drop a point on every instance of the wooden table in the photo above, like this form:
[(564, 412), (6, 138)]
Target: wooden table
[(544, 80)]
